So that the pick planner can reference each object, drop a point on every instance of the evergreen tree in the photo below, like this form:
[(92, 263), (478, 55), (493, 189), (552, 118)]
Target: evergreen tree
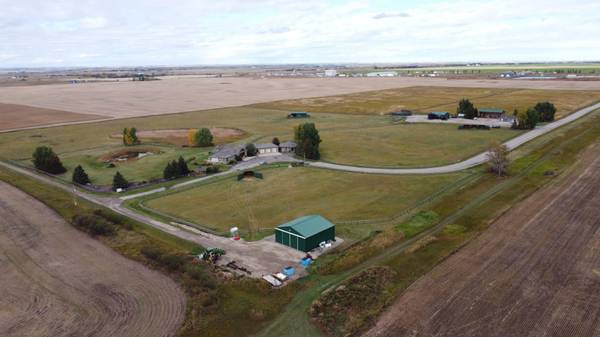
[(182, 165), (46, 160), (276, 141), (467, 108), (169, 171), (79, 176), (119, 181), (307, 139), (546, 111)]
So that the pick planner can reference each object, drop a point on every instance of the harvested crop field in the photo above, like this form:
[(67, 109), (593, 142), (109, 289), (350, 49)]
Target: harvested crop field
[(14, 116), (57, 281), (178, 94), (534, 272)]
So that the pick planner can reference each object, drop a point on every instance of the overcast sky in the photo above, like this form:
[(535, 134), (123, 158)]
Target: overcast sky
[(161, 32)]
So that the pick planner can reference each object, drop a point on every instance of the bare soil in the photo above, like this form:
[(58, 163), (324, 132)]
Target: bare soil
[(57, 281), (14, 116), (181, 93), (180, 136), (127, 155), (534, 272)]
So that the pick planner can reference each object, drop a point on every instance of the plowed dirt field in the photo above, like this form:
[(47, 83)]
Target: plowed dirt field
[(534, 272), (57, 281)]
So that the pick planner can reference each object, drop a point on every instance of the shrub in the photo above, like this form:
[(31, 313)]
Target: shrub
[(94, 225), (152, 253), (115, 218), (172, 262), (46, 160)]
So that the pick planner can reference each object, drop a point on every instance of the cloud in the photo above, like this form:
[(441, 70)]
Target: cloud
[(390, 15), (93, 22), (150, 32)]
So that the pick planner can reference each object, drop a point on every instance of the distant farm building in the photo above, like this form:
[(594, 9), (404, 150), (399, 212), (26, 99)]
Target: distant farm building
[(267, 148), (330, 73), (305, 233), (298, 114), (287, 147), (491, 113), (382, 74), (439, 115)]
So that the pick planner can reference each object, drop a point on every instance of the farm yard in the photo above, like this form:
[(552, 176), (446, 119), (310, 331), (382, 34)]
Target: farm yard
[(535, 271), (288, 193), (427, 99), (57, 281)]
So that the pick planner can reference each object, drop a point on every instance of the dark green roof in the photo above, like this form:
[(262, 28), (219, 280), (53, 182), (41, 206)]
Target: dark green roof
[(492, 110), (439, 113), (307, 226)]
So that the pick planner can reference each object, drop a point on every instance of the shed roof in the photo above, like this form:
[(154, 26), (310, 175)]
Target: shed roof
[(492, 110), (308, 225), (440, 113)]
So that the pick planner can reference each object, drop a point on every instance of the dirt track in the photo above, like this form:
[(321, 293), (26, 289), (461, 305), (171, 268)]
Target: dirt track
[(534, 272), (56, 281)]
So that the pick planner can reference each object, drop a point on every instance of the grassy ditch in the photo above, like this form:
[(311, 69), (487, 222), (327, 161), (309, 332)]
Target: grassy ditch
[(218, 303)]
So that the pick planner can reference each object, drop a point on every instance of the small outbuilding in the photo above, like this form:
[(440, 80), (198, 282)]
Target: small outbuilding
[(443, 115), (298, 114), (305, 233), (491, 113)]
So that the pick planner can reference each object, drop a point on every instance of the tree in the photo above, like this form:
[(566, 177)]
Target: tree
[(169, 171), (119, 181), (307, 139), (498, 158), (467, 108), (275, 141), (193, 137), (527, 120), (130, 137), (251, 150), (202, 138), (46, 160), (182, 167), (546, 110), (79, 176)]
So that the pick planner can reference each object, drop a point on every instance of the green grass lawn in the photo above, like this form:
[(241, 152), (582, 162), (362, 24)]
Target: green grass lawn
[(143, 169), (407, 145), (426, 99), (288, 193)]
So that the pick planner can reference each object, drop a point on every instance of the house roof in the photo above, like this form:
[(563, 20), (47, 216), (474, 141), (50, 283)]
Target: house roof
[(266, 146), (492, 110), (307, 226), (440, 113), (288, 144), (227, 151)]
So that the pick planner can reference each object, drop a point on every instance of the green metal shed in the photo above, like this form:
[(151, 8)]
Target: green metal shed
[(305, 233)]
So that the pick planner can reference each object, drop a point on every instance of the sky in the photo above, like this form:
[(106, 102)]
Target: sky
[(62, 33)]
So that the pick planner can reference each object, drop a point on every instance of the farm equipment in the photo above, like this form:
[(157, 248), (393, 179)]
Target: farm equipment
[(211, 254)]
